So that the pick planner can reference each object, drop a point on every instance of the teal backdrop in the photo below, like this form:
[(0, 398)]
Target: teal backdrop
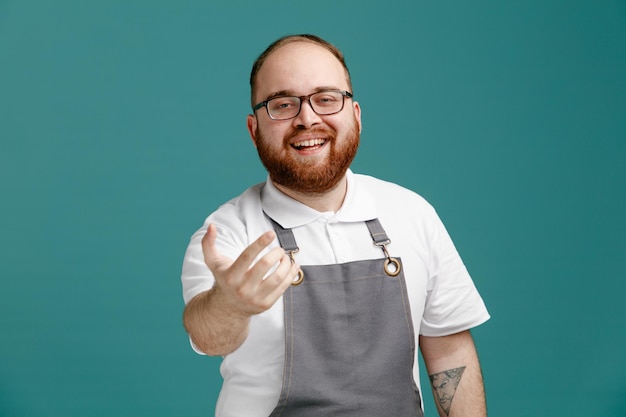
[(122, 125)]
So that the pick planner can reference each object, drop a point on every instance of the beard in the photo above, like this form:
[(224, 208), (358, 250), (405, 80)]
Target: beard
[(309, 176)]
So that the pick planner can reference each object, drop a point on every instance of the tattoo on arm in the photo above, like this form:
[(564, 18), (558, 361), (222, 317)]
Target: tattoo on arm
[(444, 385)]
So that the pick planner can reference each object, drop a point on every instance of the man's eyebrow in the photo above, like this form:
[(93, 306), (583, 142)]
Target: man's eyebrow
[(281, 93), (291, 93)]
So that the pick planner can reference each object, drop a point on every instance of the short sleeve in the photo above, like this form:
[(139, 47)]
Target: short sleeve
[(453, 303)]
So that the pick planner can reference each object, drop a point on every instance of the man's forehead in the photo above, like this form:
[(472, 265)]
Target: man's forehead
[(300, 68)]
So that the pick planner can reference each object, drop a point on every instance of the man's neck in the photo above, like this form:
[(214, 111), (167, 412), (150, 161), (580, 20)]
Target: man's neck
[(330, 200)]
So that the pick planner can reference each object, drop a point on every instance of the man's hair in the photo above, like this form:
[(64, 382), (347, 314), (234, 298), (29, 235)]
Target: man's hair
[(291, 39)]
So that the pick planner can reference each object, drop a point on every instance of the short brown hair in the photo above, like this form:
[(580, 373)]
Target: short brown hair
[(291, 39)]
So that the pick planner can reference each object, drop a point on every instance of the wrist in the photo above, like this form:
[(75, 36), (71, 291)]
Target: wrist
[(226, 305)]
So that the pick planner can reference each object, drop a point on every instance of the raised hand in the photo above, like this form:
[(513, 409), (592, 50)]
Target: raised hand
[(217, 320), (244, 285)]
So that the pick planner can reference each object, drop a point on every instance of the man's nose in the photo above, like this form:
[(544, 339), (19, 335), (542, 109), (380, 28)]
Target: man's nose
[(307, 116)]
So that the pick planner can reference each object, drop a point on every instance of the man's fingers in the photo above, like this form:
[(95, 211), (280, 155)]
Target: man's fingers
[(249, 278), (247, 257), (208, 241), (212, 257), (265, 264), (216, 261), (277, 283)]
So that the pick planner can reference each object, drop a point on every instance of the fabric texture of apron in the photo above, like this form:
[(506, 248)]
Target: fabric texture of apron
[(349, 339)]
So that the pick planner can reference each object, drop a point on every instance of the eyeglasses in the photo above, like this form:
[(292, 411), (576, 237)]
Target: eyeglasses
[(288, 107)]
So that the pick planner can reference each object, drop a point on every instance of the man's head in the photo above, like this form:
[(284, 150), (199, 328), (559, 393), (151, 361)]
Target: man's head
[(311, 151), (290, 39)]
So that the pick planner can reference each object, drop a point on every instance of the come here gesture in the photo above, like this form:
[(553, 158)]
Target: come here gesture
[(217, 320)]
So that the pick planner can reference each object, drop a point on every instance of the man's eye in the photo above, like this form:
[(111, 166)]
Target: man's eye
[(326, 99), (282, 104)]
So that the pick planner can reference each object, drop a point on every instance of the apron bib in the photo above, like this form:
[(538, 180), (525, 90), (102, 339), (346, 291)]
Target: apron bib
[(349, 339)]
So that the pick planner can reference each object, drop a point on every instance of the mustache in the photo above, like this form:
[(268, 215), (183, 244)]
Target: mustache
[(329, 133)]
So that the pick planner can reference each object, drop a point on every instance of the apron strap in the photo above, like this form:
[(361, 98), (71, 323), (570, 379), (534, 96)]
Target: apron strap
[(288, 241), (392, 265), (377, 232), (285, 237)]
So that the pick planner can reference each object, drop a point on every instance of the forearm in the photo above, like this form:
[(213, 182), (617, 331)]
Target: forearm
[(455, 375), (216, 328)]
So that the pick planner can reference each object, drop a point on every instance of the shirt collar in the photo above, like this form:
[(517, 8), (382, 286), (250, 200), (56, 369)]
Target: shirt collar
[(357, 206)]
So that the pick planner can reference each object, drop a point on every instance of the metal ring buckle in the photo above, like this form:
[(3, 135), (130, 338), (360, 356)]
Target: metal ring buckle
[(396, 269), (300, 278), (389, 261)]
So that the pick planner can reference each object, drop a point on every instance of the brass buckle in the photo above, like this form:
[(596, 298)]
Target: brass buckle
[(397, 267), (300, 277)]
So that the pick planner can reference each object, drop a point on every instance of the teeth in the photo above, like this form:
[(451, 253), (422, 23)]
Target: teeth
[(310, 142)]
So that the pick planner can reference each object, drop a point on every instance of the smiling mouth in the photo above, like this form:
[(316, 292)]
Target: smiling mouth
[(309, 144)]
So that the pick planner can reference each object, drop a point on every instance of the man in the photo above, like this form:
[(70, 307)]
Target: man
[(317, 285)]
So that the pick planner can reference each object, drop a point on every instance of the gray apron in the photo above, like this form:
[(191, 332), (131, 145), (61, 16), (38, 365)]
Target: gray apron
[(349, 339)]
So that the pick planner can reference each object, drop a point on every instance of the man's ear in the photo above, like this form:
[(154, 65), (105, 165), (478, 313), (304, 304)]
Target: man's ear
[(357, 114), (252, 124)]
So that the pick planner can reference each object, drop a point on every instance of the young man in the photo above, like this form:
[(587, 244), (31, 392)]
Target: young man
[(317, 285)]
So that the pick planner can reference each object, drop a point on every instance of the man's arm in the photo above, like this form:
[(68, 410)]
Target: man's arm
[(455, 375), (217, 320)]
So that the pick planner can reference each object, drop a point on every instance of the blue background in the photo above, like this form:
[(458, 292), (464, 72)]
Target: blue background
[(122, 125)]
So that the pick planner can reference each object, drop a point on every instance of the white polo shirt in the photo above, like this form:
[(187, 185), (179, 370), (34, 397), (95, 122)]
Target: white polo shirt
[(442, 296)]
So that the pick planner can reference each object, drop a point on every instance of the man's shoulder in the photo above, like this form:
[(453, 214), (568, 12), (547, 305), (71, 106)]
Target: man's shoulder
[(240, 207), (380, 188)]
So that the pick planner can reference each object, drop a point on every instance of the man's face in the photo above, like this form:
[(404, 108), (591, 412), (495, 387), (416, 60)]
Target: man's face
[(309, 153)]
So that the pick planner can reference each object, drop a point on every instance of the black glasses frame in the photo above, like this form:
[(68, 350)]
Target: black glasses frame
[(303, 98)]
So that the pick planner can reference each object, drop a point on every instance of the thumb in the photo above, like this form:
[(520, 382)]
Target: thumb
[(212, 258)]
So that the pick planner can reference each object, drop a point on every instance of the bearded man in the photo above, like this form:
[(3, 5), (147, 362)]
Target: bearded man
[(319, 285)]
